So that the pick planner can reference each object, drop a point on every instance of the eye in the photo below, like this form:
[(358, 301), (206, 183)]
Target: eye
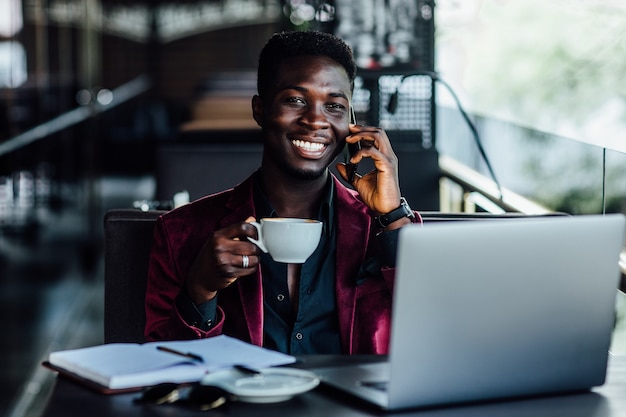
[(336, 108), (295, 100)]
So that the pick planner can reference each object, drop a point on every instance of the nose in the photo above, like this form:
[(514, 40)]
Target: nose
[(314, 118)]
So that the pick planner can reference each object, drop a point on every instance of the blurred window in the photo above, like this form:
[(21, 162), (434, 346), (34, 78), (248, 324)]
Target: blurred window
[(12, 53), (12, 64), (11, 21)]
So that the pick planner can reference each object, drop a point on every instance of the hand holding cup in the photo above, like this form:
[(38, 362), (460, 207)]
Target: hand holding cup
[(288, 240)]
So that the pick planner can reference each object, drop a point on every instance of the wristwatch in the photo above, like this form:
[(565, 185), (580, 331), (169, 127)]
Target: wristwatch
[(404, 210)]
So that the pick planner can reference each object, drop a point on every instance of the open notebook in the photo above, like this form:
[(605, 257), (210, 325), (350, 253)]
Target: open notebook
[(121, 367), (495, 309)]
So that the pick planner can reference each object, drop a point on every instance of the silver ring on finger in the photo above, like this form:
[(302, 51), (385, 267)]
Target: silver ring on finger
[(245, 261)]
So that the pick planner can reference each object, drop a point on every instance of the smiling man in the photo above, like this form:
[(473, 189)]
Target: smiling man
[(206, 278)]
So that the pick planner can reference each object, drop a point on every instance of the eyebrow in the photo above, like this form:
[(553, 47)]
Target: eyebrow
[(304, 90)]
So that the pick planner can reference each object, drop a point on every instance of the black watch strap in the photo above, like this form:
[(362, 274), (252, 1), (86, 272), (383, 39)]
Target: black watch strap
[(404, 210)]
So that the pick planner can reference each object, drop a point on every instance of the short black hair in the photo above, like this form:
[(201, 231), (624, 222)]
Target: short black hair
[(289, 44)]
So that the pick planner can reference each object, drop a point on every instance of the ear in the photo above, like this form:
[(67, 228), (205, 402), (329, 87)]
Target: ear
[(257, 110)]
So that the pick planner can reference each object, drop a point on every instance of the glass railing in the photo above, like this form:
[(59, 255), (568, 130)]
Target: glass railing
[(535, 172), (557, 173)]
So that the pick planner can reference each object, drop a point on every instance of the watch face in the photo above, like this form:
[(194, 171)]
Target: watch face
[(403, 211), (405, 204)]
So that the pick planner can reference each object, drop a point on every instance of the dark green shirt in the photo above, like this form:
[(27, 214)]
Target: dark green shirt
[(313, 327)]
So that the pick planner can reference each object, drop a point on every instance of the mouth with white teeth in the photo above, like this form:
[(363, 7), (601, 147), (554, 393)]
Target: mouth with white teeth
[(308, 146)]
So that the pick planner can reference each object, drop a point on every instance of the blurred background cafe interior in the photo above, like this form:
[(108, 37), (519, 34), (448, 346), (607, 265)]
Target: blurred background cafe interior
[(492, 107)]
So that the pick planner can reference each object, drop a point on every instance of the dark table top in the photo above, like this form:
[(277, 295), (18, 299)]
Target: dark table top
[(69, 399)]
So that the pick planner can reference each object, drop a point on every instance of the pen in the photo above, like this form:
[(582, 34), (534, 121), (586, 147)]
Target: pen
[(184, 354), (247, 370)]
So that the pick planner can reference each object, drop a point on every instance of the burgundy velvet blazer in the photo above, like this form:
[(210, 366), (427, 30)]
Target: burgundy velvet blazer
[(364, 309)]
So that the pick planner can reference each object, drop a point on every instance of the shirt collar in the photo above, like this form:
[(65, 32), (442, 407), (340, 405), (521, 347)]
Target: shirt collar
[(263, 207)]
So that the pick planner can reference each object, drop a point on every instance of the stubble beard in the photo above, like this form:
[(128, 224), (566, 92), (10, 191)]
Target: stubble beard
[(302, 174)]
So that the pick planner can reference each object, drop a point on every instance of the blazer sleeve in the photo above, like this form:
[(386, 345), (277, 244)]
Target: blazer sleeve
[(165, 281)]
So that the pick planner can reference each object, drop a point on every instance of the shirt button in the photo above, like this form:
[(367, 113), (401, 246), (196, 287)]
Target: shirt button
[(280, 297), (299, 336)]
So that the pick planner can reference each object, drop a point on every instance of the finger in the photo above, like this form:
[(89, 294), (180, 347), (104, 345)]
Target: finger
[(383, 162), (370, 136), (233, 239), (343, 171), (233, 232), (244, 264), (229, 281)]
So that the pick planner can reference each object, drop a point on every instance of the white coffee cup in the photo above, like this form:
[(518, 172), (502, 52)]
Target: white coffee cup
[(288, 240)]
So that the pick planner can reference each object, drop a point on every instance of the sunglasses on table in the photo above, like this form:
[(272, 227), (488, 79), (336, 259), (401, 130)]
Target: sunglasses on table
[(193, 395)]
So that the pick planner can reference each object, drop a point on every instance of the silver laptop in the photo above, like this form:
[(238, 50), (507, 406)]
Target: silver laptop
[(495, 309)]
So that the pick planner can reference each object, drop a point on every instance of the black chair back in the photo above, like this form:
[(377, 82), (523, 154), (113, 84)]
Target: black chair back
[(127, 243)]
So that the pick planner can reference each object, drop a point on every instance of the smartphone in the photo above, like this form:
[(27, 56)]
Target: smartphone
[(352, 149)]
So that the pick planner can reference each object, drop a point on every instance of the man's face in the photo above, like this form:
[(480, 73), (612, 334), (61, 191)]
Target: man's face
[(305, 116)]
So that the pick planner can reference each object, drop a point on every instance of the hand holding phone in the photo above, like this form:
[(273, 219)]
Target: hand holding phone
[(352, 149)]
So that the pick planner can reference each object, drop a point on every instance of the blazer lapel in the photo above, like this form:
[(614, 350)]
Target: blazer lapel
[(352, 220)]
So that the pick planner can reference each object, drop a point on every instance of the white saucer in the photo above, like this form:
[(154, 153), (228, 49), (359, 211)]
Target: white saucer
[(273, 385)]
